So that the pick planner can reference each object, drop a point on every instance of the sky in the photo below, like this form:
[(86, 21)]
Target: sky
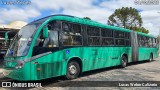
[(98, 10)]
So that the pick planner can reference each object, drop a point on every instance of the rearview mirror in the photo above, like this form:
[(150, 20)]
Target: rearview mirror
[(45, 32)]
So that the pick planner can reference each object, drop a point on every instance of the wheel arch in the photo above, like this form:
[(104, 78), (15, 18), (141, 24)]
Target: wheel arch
[(151, 53), (126, 55), (78, 60)]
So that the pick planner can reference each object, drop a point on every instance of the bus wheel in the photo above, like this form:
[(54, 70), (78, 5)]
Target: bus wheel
[(151, 58), (124, 61), (73, 70)]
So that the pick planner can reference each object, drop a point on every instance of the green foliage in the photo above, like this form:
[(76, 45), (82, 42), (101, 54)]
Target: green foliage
[(139, 29), (87, 18), (125, 16)]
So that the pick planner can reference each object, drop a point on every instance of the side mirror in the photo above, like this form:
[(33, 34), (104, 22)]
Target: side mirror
[(6, 36), (45, 32)]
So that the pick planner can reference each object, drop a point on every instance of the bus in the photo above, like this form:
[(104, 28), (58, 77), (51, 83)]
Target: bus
[(5, 42), (63, 45)]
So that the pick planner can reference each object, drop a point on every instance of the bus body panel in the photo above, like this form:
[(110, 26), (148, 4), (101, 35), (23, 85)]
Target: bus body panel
[(92, 58), (144, 53)]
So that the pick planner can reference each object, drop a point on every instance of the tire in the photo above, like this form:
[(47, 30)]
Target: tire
[(73, 70), (124, 61), (151, 58)]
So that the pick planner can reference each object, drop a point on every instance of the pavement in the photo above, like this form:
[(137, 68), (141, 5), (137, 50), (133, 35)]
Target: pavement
[(1, 70), (141, 71)]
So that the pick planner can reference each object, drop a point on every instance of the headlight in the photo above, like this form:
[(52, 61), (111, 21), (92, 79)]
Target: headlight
[(19, 65)]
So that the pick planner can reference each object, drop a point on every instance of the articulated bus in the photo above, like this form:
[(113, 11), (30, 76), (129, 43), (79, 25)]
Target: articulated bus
[(62, 45)]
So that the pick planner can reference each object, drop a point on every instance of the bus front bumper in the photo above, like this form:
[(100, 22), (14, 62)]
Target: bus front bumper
[(16, 74)]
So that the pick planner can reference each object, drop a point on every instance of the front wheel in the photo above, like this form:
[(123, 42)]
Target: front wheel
[(124, 62), (73, 70)]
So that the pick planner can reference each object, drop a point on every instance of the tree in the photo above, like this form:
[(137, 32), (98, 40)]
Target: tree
[(87, 18), (125, 17), (139, 29)]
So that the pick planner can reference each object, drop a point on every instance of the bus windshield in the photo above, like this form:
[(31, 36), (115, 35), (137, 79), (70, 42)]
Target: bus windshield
[(22, 40)]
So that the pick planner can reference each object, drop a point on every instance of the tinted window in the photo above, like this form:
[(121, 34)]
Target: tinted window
[(93, 35), (92, 31), (71, 34), (121, 38), (119, 34), (141, 40), (146, 41), (106, 33), (67, 27), (52, 41), (107, 41), (55, 25), (154, 42), (76, 29), (93, 40), (128, 43), (119, 42), (127, 35), (150, 42)]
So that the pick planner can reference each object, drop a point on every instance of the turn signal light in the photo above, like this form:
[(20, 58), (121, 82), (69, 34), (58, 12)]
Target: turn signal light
[(38, 69)]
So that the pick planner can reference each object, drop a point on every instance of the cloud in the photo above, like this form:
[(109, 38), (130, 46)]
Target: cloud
[(15, 13), (80, 8), (98, 10), (154, 30), (148, 13)]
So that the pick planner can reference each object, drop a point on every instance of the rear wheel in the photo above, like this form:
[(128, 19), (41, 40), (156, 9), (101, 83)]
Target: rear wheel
[(73, 70), (151, 58), (124, 61)]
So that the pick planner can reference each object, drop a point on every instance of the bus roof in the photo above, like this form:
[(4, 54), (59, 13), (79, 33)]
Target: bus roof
[(87, 22)]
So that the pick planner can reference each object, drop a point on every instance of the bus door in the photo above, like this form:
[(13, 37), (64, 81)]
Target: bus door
[(134, 44)]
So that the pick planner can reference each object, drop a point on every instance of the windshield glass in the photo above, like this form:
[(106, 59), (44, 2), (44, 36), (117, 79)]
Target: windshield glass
[(21, 42)]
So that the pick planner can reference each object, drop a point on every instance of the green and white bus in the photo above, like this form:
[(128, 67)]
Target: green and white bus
[(62, 45)]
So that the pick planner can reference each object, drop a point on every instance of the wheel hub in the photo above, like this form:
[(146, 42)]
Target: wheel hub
[(72, 69)]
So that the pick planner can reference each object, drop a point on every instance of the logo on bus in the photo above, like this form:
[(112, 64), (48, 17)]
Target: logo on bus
[(67, 51)]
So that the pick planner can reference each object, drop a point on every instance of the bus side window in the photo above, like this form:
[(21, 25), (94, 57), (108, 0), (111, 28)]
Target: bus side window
[(107, 37), (154, 42), (146, 42), (52, 40), (53, 28), (150, 42), (66, 34), (119, 38), (93, 36), (71, 34), (142, 41)]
